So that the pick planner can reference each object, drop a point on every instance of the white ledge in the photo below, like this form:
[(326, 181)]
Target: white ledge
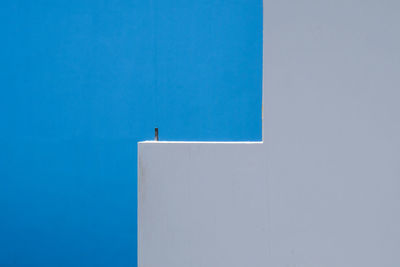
[(202, 142)]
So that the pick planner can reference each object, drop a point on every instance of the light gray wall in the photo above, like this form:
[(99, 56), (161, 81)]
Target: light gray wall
[(324, 187), (332, 131)]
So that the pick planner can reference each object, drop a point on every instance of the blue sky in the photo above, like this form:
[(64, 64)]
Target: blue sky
[(81, 83)]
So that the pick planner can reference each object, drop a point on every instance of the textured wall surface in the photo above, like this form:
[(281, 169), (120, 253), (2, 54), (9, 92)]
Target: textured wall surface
[(323, 189)]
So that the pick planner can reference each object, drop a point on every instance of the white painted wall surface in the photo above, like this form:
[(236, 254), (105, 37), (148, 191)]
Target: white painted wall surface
[(323, 189)]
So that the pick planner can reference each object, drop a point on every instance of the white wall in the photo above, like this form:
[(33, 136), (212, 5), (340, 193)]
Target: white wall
[(202, 205), (324, 187)]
